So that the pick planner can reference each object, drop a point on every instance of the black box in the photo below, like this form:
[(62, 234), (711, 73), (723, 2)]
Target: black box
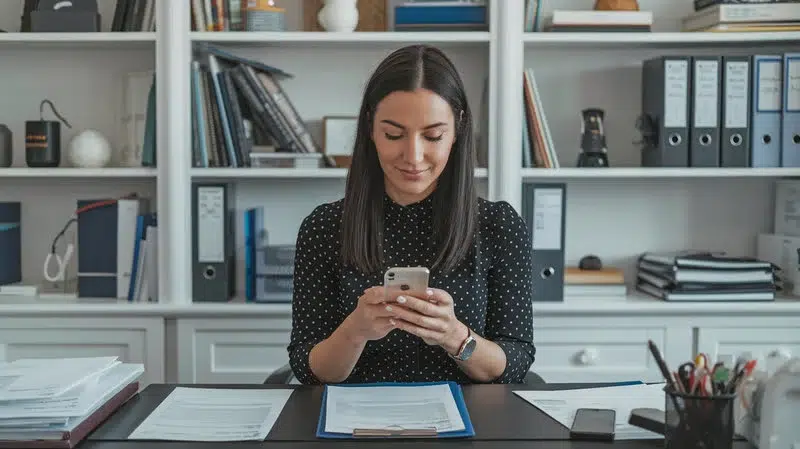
[(65, 21)]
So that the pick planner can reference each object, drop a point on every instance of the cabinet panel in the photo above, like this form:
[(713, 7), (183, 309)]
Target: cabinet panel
[(766, 344), (135, 340), (588, 352), (230, 350)]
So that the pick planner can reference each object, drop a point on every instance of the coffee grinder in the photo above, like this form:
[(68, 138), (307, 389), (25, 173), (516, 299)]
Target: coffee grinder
[(593, 140)]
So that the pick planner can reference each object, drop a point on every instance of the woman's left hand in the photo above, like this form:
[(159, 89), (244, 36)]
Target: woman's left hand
[(433, 319)]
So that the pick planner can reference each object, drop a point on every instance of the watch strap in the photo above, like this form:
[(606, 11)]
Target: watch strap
[(460, 354)]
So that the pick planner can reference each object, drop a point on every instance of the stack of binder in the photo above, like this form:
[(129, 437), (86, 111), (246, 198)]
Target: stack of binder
[(720, 111), (705, 276), (56, 403)]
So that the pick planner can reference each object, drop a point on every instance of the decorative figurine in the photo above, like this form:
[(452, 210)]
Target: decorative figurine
[(593, 140), (616, 5)]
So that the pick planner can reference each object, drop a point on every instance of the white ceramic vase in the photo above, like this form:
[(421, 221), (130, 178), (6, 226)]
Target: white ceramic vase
[(339, 15)]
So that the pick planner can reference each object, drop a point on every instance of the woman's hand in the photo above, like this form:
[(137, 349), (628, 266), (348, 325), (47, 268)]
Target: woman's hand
[(433, 319), (370, 320)]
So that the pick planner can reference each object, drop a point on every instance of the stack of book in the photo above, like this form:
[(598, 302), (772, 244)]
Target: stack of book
[(743, 15), (601, 284), (591, 21), (453, 15), (55, 403), (538, 149), (705, 276), (239, 106)]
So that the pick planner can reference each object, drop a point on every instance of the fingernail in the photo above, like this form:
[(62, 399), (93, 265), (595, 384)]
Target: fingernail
[(388, 308), (401, 299), (429, 292)]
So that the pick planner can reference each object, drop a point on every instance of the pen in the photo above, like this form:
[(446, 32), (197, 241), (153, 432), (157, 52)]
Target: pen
[(662, 365)]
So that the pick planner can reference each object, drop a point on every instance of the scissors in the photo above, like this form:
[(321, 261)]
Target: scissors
[(686, 375)]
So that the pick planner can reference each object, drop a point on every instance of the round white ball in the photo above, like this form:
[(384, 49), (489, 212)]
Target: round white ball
[(89, 149)]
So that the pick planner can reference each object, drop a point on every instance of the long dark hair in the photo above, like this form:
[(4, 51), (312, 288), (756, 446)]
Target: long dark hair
[(455, 200)]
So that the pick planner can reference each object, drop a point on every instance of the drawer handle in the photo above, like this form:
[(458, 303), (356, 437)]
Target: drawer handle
[(587, 356)]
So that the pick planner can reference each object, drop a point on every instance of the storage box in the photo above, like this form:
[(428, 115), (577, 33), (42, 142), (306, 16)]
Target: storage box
[(286, 160), (65, 22)]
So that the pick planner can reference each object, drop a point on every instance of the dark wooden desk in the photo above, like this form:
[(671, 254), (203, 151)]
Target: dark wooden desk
[(498, 415), (407, 444)]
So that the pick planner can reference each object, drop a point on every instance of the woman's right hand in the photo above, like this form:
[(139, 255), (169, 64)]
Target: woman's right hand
[(372, 318)]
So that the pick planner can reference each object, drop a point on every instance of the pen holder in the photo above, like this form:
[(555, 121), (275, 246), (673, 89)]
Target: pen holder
[(698, 422)]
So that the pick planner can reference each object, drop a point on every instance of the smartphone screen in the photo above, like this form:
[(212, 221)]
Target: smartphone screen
[(593, 423)]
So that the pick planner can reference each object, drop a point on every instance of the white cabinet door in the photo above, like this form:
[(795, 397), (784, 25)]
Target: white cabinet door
[(766, 344), (135, 340), (231, 350), (605, 349)]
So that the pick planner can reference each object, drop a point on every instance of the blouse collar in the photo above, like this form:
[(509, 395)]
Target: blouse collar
[(423, 207)]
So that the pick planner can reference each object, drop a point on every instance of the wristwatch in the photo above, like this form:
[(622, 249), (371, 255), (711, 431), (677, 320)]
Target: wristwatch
[(467, 348)]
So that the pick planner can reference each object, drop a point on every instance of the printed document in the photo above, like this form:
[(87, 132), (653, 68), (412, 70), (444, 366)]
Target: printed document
[(31, 379), (213, 414), (561, 405), (392, 407)]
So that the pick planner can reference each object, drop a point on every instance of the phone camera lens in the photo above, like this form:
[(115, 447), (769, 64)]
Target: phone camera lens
[(404, 287), (391, 274)]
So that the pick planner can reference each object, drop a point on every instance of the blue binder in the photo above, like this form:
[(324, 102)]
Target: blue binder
[(468, 431)]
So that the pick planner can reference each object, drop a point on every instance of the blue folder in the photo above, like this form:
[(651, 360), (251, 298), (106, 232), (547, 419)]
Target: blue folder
[(468, 431)]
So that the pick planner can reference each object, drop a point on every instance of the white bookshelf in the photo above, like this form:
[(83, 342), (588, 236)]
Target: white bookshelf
[(660, 39), (77, 173), (360, 39), (644, 173), (67, 41), (615, 213)]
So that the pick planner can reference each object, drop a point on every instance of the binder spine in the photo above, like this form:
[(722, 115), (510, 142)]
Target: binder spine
[(766, 108), (790, 139), (704, 130), (736, 112)]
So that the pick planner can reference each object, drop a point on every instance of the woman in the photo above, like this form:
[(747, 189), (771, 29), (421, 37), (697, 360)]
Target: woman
[(410, 200)]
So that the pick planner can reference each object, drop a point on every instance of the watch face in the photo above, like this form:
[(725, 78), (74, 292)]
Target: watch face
[(469, 348)]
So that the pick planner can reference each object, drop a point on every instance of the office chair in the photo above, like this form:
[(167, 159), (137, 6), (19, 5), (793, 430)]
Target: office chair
[(284, 376)]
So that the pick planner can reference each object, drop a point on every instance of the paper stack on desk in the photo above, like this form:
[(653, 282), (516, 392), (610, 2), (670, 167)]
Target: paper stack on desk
[(561, 405), (214, 414), (57, 402)]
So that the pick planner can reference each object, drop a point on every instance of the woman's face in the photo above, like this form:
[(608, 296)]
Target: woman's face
[(413, 133)]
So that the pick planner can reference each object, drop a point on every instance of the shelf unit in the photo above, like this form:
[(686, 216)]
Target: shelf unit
[(660, 39), (508, 52)]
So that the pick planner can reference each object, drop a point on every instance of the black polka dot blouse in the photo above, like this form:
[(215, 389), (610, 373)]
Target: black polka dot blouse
[(492, 292)]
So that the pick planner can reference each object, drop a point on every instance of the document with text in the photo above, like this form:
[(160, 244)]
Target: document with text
[(561, 405), (213, 414), (423, 407)]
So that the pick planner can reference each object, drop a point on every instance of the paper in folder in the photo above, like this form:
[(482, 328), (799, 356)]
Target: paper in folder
[(413, 410)]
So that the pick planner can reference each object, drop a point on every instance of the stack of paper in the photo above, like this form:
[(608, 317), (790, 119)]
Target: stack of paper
[(561, 405), (59, 401), (213, 414)]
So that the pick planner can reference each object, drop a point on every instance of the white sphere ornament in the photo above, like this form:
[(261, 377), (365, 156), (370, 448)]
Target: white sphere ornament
[(89, 149), (339, 15)]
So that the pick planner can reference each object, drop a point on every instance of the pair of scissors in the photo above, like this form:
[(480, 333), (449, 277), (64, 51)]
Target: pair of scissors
[(686, 376)]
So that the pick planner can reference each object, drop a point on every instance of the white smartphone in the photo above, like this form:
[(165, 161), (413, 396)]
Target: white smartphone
[(411, 281)]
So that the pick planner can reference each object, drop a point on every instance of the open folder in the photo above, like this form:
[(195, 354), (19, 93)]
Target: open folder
[(404, 410)]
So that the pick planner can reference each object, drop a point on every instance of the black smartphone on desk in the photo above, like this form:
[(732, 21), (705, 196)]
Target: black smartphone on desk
[(595, 424)]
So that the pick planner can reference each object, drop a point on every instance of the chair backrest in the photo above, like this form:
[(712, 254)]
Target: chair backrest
[(282, 376)]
